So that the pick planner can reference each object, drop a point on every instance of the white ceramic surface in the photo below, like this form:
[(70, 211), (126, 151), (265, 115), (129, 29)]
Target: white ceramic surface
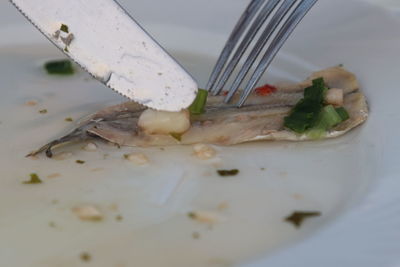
[(352, 180)]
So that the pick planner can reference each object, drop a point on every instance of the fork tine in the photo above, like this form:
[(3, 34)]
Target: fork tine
[(266, 35), (284, 33), (254, 28), (240, 27)]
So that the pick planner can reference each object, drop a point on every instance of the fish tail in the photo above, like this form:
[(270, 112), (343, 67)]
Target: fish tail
[(78, 134)]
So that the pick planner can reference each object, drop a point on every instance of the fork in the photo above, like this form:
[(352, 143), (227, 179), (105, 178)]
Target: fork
[(279, 18)]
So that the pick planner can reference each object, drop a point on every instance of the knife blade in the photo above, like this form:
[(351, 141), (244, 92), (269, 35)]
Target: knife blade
[(107, 42)]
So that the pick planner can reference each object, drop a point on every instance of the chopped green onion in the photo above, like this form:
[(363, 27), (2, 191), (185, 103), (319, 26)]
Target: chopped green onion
[(307, 109), (62, 67), (316, 133), (177, 136), (299, 122), (228, 172), (34, 179), (297, 217), (316, 92), (311, 116), (198, 105), (64, 28), (327, 119), (343, 113), (85, 256)]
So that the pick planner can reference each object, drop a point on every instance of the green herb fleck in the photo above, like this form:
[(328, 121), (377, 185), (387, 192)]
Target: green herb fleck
[(199, 103), (177, 136), (64, 28), (59, 67), (34, 179), (297, 218), (69, 119), (80, 161), (52, 224), (85, 256), (228, 172), (43, 111), (119, 218)]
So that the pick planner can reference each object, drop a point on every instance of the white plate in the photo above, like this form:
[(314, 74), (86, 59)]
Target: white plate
[(351, 180)]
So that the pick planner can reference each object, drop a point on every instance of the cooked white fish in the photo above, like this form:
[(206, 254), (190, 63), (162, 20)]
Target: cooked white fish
[(262, 118)]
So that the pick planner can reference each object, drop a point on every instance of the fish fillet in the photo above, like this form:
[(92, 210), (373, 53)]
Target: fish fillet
[(262, 118)]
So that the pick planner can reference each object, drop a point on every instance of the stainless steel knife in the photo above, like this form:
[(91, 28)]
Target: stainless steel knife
[(107, 42)]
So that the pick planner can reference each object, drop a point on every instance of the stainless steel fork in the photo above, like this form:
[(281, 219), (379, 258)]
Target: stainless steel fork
[(277, 19)]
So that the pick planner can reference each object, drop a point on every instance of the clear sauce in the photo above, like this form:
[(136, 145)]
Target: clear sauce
[(275, 179)]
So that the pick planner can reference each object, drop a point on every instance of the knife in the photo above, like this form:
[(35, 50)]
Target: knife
[(108, 43)]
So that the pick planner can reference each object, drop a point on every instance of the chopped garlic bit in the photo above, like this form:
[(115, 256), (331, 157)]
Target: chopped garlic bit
[(208, 217), (334, 97), (53, 175), (203, 151), (87, 213), (31, 103), (62, 155), (164, 122), (222, 206), (90, 147), (137, 158)]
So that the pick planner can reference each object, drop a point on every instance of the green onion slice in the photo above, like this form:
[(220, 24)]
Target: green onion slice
[(343, 113), (198, 105), (61, 67), (310, 116)]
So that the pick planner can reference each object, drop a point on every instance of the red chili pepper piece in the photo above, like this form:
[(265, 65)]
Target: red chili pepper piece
[(265, 90)]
